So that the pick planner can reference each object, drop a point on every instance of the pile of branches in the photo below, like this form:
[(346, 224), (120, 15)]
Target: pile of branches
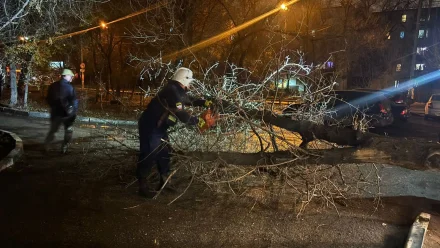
[(233, 156)]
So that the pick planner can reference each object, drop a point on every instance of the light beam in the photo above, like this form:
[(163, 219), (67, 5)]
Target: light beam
[(405, 86)]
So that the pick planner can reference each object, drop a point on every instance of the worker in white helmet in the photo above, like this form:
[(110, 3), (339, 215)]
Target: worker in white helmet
[(63, 103), (164, 111)]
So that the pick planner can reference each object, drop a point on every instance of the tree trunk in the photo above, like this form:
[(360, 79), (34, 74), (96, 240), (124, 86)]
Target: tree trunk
[(2, 80), (27, 79), (107, 85), (309, 130), (121, 65), (411, 154), (26, 90), (13, 74), (95, 64), (368, 148)]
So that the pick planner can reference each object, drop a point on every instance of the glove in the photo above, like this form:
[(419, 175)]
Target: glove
[(69, 110), (208, 103)]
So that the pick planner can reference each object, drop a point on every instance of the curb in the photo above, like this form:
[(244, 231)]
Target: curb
[(13, 155), (45, 115), (14, 111), (106, 121), (418, 231)]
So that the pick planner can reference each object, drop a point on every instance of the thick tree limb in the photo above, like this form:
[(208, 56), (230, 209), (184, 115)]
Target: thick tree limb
[(310, 131), (412, 154)]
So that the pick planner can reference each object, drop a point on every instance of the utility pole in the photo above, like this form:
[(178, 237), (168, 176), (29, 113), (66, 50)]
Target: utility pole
[(414, 50)]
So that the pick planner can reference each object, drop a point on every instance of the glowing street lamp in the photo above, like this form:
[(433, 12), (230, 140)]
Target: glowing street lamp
[(103, 25), (283, 6)]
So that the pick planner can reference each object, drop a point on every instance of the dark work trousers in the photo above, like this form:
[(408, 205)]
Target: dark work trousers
[(153, 149), (55, 123)]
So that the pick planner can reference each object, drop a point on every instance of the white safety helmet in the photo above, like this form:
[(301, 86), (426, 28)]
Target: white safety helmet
[(184, 76), (67, 72)]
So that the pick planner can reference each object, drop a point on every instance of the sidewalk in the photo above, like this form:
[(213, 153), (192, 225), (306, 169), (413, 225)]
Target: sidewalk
[(54, 201), (432, 238), (46, 115), (103, 212)]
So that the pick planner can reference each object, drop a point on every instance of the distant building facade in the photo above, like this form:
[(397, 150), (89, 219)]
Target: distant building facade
[(401, 39)]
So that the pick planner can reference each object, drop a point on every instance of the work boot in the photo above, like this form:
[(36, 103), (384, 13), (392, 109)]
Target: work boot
[(144, 191), (64, 148), (168, 186)]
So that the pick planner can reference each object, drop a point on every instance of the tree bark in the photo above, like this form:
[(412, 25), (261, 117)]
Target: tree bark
[(309, 130), (26, 91), (411, 154), (95, 76), (365, 148), (27, 79), (13, 74), (2, 79), (121, 71), (108, 82)]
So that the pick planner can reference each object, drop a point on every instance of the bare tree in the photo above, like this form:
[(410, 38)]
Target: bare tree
[(20, 22)]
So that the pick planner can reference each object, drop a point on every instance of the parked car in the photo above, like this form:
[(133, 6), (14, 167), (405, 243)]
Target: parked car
[(399, 106), (347, 104), (432, 107)]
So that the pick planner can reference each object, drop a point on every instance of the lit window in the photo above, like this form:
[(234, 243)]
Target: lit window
[(421, 33), (399, 67), (426, 33), (389, 36), (396, 83), (420, 67), (403, 18), (329, 65), (402, 34), (422, 50)]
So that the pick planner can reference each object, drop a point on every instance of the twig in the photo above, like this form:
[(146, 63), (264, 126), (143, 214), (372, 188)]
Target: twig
[(187, 187)]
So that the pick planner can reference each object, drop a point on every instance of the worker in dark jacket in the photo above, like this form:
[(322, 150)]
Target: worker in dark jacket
[(61, 98), (164, 111)]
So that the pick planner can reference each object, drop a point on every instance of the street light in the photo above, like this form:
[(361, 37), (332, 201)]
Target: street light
[(103, 24), (283, 6)]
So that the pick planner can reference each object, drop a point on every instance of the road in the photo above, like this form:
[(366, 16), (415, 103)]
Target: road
[(50, 202), (415, 127)]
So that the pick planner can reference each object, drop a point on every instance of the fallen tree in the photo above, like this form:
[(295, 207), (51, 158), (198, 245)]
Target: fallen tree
[(411, 154), (255, 148), (363, 147)]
